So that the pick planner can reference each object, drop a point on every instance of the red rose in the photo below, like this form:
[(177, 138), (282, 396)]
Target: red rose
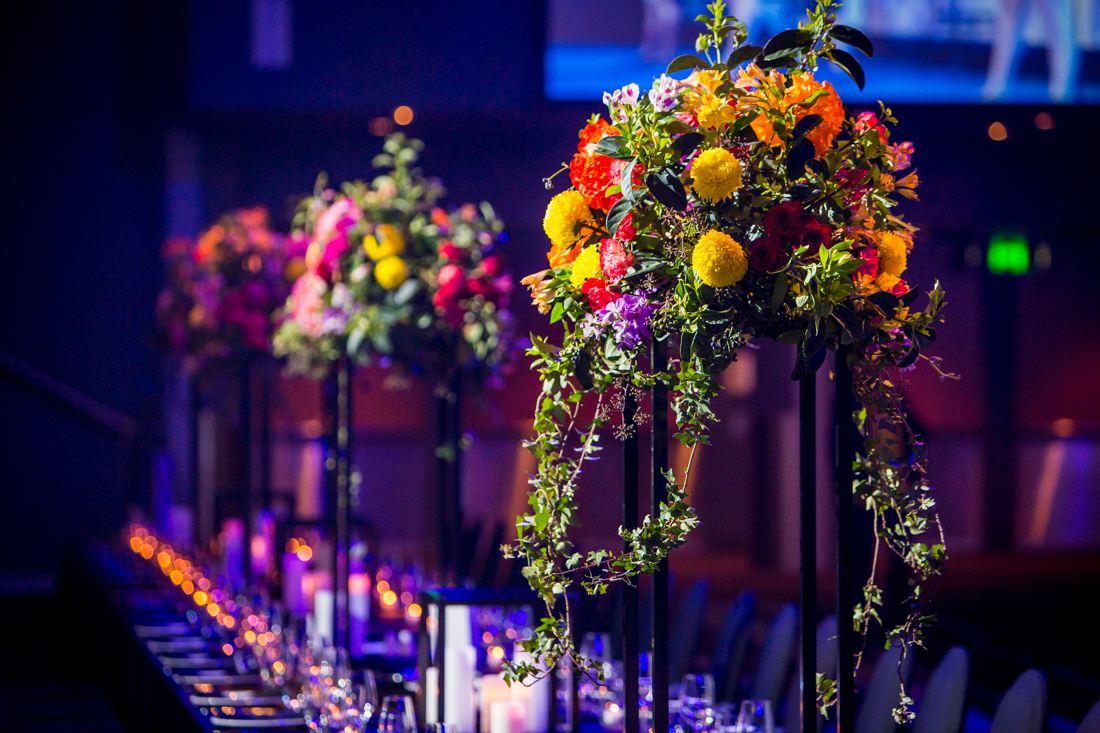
[(598, 294), (815, 234), (491, 265), (614, 260), (767, 255), (626, 230), (783, 221), (449, 252)]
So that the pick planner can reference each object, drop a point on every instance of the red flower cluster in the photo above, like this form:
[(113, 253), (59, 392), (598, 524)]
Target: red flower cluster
[(455, 287), (786, 226), (614, 260), (598, 294), (592, 173)]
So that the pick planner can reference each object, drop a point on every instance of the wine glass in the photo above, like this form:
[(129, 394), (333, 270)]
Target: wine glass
[(696, 695), (442, 728), (755, 717), (367, 696), (397, 715)]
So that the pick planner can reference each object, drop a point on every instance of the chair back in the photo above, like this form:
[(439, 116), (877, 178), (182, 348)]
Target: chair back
[(729, 653), (1091, 723), (876, 714), (776, 656), (1023, 708), (944, 701), (685, 635)]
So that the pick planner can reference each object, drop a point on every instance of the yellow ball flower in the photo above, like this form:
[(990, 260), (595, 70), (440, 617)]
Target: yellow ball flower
[(565, 211), (718, 259), (585, 266), (892, 253), (717, 174), (390, 272), (390, 242)]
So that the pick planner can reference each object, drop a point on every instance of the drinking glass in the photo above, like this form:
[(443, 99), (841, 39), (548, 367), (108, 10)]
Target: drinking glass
[(397, 715), (756, 717), (697, 690), (368, 696), (442, 728)]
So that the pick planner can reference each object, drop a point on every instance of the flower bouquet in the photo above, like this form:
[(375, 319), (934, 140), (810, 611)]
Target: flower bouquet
[(223, 287), (742, 202), (390, 275)]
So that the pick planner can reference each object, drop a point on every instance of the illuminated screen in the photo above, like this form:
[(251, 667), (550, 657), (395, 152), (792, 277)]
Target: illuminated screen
[(926, 51)]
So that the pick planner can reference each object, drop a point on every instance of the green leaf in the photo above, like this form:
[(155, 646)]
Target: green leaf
[(779, 292), (626, 184), (557, 313), (790, 337), (613, 146), (408, 289), (848, 64), (742, 54), (805, 126), (687, 144), (582, 369), (788, 40), (667, 188), (687, 61), (618, 212), (797, 157), (853, 37)]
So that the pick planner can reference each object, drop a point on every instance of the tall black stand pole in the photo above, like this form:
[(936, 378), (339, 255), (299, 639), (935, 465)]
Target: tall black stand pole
[(807, 449), (454, 484), (658, 495), (195, 409), (266, 378), (845, 455), (244, 493), (631, 647), (339, 409)]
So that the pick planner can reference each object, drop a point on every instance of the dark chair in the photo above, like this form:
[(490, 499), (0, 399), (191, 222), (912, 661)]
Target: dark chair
[(944, 702), (773, 666), (729, 654), (876, 714), (685, 634), (1023, 708)]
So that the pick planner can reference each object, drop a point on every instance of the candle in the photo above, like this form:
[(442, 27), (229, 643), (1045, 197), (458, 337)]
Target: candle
[(359, 610), (493, 689), (323, 613), (294, 571), (233, 550), (536, 697), (459, 667), (431, 695), (456, 621), (506, 716)]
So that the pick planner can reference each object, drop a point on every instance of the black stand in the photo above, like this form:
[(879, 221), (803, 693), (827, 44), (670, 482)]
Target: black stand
[(659, 493), (631, 647), (449, 477), (845, 510), (807, 454), (338, 480)]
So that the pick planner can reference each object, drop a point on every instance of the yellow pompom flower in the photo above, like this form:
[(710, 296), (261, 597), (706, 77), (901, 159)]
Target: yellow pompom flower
[(718, 259), (585, 266), (391, 242), (565, 211), (892, 254), (390, 272), (717, 174)]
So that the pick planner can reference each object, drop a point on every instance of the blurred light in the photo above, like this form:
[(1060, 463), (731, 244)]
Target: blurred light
[(1044, 121), (1042, 256), (200, 598), (406, 598), (381, 126), (304, 553), (228, 649), (136, 543), (496, 652), (1063, 428), (389, 598), (250, 636), (358, 583), (254, 263), (164, 559), (176, 577), (204, 584), (213, 609), (188, 587), (292, 545), (229, 622), (383, 586), (486, 637), (278, 667), (403, 115), (997, 131), (1007, 254), (147, 551), (313, 429), (414, 610)]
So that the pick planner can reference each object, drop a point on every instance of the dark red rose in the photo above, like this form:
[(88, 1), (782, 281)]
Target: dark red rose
[(598, 294), (815, 234), (783, 221), (449, 252), (768, 255)]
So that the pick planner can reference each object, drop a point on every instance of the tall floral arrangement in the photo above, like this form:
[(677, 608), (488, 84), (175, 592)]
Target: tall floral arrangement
[(223, 287), (742, 202), (390, 275)]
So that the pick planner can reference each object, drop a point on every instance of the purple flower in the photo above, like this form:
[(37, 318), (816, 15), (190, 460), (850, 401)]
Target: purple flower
[(663, 93), (628, 317)]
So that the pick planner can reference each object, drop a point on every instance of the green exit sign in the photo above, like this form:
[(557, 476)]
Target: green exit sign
[(1008, 254)]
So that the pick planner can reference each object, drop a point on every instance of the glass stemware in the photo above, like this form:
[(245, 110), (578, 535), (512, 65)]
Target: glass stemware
[(397, 715), (755, 717)]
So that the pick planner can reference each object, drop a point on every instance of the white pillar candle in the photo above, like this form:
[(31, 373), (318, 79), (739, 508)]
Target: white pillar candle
[(431, 695), (493, 689), (323, 612), (536, 697), (294, 571), (506, 716), (359, 610), (456, 621), (233, 550), (459, 667)]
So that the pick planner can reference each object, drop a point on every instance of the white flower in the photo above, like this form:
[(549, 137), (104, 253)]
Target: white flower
[(663, 93), (619, 101)]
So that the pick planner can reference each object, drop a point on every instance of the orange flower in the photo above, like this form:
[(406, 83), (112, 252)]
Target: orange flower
[(710, 109), (828, 106), (540, 295), (208, 243), (563, 255), (591, 173)]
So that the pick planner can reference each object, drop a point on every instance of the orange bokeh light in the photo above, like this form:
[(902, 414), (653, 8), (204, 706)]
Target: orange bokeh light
[(389, 598)]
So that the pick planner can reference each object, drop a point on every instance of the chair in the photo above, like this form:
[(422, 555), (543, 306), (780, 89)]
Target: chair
[(1091, 723), (876, 715), (776, 656), (685, 635), (1023, 708), (826, 664), (729, 653), (944, 702)]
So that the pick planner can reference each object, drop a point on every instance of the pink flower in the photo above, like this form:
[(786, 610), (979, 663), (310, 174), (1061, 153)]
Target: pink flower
[(338, 218), (449, 252), (614, 260), (900, 155), (297, 244), (870, 264), (451, 280), (598, 294), (306, 303), (869, 121), (626, 231), (491, 265), (334, 250)]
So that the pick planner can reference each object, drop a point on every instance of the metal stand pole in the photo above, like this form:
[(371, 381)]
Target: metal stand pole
[(454, 484), (266, 378), (338, 401), (658, 495), (845, 455), (244, 492), (446, 559), (631, 647), (807, 436)]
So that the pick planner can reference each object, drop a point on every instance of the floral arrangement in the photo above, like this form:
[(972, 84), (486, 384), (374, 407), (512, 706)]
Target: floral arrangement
[(740, 203), (223, 287), (391, 275)]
